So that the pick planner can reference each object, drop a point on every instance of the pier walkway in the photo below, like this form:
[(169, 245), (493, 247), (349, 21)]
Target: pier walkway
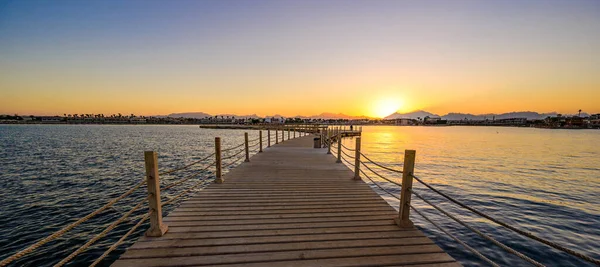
[(292, 205)]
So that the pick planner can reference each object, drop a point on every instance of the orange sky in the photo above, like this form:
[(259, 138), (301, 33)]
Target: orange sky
[(299, 58)]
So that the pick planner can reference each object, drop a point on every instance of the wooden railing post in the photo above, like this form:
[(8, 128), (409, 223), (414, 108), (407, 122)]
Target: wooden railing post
[(276, 137), (157, 228), (357, 159), (295, 132), (328, 141), (260, 141), (403, 219), (288, 130), (268, 137), (339, 147), (246, 147), (219, 178)]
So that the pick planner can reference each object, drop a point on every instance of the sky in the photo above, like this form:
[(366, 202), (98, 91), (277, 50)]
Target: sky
[(299, 57)]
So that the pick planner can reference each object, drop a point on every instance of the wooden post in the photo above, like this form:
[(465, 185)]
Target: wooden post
[(339, 159), (295, 132), (328, 141), (219, 178), (288, 130), (157, 228), (260, 141), (403, 219), (357, 159), (268, 137), (246, 147), (276, 137)]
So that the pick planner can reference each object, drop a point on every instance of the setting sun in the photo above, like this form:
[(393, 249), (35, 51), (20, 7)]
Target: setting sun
[(385, 107)]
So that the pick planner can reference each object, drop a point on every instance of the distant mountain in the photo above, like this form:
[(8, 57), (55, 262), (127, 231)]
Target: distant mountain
[(530, 115), (411, 115)]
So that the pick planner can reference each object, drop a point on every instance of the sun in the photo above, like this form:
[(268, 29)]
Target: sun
[(385, 107)]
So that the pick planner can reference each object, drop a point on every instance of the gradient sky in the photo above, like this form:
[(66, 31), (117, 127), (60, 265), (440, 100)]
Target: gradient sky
[(299, 57)]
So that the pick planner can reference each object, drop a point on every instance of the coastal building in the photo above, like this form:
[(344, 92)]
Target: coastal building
[(403, 122), (51, 119)]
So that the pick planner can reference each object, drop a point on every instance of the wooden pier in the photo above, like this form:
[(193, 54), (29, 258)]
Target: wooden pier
[(292, 205)]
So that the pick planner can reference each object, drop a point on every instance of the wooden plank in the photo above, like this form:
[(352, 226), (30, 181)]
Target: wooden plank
[(412, 255), (279, 207), (296, 211), (172, 217), (421, 245), (279, 221), (268, 232), (410, 237), (311, 225)]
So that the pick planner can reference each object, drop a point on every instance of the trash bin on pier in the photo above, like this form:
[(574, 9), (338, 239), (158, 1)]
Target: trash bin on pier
[(317, 141)]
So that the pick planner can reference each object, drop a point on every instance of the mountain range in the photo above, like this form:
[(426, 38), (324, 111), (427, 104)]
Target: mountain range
[(530, 115)]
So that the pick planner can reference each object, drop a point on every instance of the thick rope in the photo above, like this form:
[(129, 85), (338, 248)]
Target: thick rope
[(348, 162), (255, 144), (171, 200), (186, 166), (379, 165), (434, 224), (491, 239), (233, 155), (381, 176), (484, 258), (349, 149), (98, 236), (188, 177), (60, 232), (120, 241), (233, 162), (539, 239), (351, 157), (232, 148)]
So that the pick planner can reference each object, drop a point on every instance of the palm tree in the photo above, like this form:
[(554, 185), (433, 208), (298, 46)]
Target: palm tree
[(579, 113)]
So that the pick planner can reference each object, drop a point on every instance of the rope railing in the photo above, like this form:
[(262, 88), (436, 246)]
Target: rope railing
[(482, 257), (120, 241), (349, 149), (351, 157), (233, 155), (172, 200), (98, 236), (379, 165), (514, 229), (496, 242), (62, 231), (380, 176), (232, 148), (196, 174), (233, 162), (348, 162), (186, 166)]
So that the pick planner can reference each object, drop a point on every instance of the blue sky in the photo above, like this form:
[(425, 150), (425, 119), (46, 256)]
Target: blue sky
[(227, 56)]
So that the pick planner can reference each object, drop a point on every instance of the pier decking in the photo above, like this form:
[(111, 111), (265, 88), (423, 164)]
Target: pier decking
[(292, 205)]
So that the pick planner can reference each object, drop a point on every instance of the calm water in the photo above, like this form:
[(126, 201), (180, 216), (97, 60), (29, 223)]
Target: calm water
[(543, 181)]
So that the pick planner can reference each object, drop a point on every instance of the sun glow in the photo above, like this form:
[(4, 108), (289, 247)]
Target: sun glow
[(385, 107)]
